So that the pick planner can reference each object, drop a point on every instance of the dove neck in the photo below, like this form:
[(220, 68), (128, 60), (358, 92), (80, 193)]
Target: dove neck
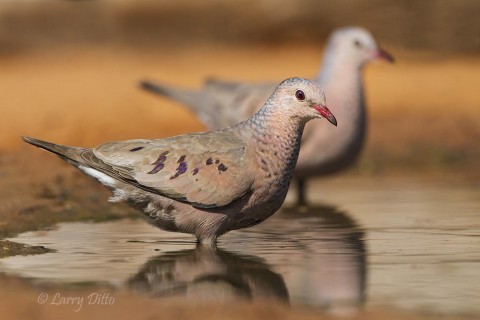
[(341, 78), (342, 81), (338, 66), (276, 139)]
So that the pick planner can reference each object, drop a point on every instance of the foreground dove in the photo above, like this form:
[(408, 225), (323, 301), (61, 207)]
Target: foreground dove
[(324, 151), (208, 183)]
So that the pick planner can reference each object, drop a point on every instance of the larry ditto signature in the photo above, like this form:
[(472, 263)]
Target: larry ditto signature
[(94, 298)]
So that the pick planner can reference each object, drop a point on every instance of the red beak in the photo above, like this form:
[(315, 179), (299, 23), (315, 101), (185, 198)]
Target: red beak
[(382, 54), (323, 110)]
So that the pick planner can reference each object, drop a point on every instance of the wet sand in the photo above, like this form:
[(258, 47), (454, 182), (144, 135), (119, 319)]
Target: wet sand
[(38, 192)]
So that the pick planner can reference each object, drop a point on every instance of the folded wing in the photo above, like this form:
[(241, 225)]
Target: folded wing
[(207, 170)]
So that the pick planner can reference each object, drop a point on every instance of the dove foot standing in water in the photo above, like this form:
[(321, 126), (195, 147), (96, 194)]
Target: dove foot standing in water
[(207, 184), (324, 151)]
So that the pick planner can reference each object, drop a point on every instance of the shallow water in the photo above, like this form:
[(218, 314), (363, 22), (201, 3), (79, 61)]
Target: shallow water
[(406, 245)]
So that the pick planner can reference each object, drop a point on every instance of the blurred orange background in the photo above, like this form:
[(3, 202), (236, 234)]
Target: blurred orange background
[(69, 69)]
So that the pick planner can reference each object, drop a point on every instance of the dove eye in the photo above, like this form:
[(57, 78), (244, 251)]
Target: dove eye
[(300, 95), (357, 43)]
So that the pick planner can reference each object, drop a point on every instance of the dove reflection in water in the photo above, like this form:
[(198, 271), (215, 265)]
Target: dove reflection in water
[(323, 265), (207, 274)]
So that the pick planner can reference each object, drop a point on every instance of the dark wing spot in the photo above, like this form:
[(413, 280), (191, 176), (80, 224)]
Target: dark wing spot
[(209, 161), (157, 168), (161, 158), (222, 167), (182, 168), (136, 149), (195, 171), (181, 159)]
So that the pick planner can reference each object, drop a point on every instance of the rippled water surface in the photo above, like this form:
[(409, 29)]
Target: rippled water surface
[(406, 245)]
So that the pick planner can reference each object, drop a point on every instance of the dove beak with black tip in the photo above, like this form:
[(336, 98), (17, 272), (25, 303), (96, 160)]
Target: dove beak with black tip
[(327, 114), (382, 54)]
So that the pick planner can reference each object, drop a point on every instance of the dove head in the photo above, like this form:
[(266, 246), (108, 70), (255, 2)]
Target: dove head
[(302, 99), (356, 45)]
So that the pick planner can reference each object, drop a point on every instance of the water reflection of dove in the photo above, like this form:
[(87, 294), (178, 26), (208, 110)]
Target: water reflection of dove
[(324, 151), (206, 274), (324, 264), (208, 183)]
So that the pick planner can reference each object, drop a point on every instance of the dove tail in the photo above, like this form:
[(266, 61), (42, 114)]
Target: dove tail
[(73, 155), (187, 97), (155, 88), (193, 99), (69, 154)]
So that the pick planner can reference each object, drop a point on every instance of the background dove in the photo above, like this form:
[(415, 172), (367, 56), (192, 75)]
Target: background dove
[(208, 183), (219, 104)]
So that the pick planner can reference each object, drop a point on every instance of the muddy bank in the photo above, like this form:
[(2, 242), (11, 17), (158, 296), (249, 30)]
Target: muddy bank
[(35, 194), (9, 248)]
